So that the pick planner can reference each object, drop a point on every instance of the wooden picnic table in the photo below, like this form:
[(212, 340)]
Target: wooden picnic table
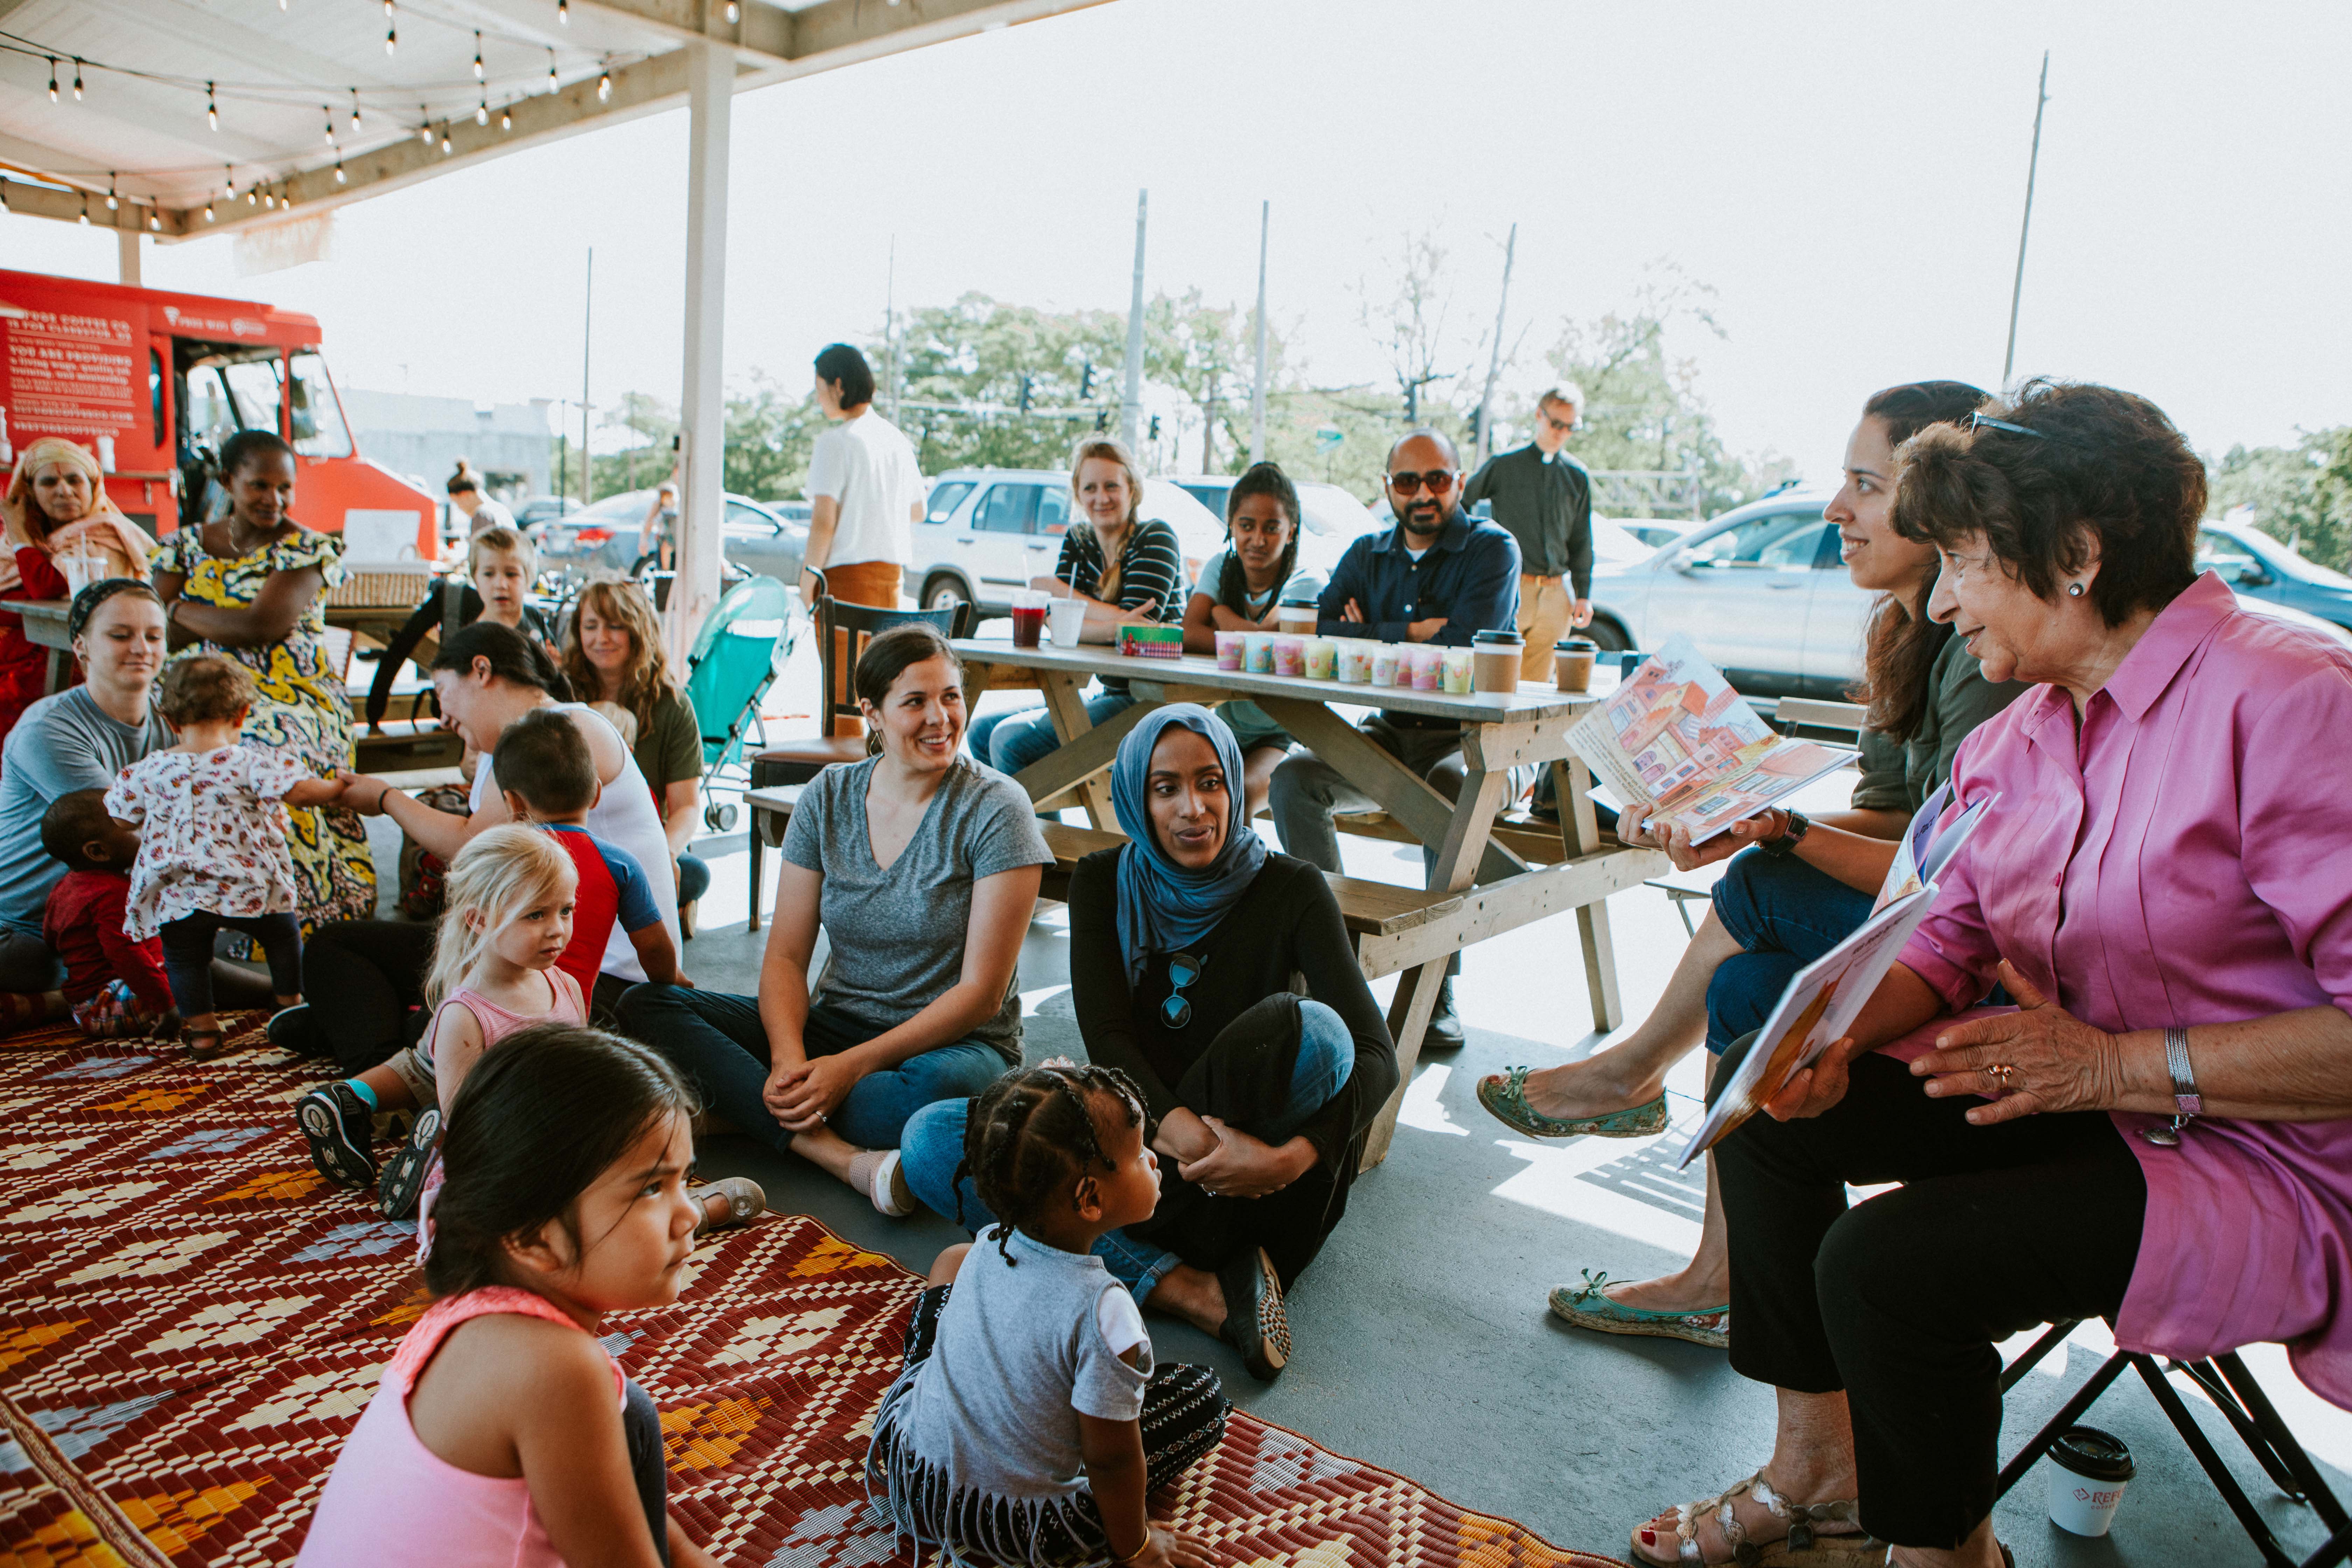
[(1499, 889)]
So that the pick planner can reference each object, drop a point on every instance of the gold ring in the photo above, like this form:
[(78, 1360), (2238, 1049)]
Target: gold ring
[(2001, 1073)]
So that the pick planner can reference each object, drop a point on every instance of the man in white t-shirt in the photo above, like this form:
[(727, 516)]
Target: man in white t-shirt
[(866, 494)]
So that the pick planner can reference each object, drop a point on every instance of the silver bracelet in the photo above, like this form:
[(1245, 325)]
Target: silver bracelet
[(2187, 1103)]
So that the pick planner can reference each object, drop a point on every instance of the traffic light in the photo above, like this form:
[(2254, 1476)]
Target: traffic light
[(1102, 420), (1025, 395), (1155, 427), (1087, 382)]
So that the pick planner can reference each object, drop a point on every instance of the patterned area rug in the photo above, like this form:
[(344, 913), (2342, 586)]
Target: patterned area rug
[(190, 1319)]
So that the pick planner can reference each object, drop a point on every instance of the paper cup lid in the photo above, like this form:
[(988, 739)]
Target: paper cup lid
[(1576, 645), (1505, 638), (2089, 1452)]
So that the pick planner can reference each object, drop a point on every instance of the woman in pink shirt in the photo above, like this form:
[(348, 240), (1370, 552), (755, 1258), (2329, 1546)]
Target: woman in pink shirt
[(2161, 1133)]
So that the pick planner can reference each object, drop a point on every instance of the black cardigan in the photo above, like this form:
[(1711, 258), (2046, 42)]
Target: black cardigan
[(1286, 923), (429, 617)]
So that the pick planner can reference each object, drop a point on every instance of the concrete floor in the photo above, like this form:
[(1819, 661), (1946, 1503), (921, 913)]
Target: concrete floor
[(1422, 1342)]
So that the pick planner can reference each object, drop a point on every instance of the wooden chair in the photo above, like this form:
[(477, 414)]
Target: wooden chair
[(2234, 1392), (797, 761)]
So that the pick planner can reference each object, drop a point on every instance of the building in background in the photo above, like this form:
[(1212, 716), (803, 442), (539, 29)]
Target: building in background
[(510, 444)]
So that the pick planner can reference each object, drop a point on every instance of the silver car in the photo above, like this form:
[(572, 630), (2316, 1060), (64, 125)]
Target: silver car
[(762, 537), (987, 531), (1763, 593)]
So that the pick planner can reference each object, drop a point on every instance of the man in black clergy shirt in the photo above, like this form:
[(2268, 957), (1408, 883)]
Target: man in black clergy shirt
[(1440, 575), (1544, 497)]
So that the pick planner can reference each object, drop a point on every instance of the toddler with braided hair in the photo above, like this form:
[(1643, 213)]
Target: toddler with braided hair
[(1029, 1421)]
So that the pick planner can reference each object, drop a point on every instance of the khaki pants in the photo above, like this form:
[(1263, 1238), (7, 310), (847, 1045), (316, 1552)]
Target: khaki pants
[(874, 583), (1545, 609)]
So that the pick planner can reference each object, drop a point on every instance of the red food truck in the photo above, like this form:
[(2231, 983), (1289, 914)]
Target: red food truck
[(154, 381)]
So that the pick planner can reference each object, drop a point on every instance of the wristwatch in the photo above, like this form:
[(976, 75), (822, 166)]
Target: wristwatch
[(1799, 824), (2187, 1104)]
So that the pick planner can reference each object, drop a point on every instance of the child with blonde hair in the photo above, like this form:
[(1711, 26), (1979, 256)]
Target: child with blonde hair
[(211, 818), (494, 971)]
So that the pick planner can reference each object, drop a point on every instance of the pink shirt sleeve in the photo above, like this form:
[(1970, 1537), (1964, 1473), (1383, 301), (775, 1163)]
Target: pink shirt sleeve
[(1953, 950), (2294, 816)]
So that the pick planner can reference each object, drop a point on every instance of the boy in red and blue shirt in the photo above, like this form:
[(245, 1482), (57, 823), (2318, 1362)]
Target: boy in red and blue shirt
[(115, 985)]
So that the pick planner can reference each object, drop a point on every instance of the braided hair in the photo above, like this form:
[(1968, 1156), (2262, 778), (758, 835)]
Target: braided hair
[(1031, 1137), (1259, 480)]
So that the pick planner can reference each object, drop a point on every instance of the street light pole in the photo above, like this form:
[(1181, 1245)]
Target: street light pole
[(2033, 167), (587, 316), (1495, 363), (1257, 390), (1132, 399)]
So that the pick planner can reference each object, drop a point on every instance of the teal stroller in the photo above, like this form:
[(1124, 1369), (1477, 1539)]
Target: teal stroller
[(743, 645)]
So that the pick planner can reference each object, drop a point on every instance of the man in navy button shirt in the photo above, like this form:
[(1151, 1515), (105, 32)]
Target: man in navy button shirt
[(1438, 576)]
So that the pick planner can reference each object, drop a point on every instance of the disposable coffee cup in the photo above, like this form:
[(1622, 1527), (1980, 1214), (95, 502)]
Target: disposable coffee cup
[(1296, 616), (1494, 661), (1069, 619), (2088, 1471), (1571, 663)]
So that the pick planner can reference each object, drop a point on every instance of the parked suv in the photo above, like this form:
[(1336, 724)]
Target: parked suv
[(1762, 593), (987, 531)]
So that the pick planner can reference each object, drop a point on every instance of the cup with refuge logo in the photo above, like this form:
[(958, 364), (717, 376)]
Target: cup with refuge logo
[(2088, 1471)]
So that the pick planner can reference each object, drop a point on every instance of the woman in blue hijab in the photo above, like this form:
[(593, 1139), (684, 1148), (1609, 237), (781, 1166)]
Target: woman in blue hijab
[(1185, 943)]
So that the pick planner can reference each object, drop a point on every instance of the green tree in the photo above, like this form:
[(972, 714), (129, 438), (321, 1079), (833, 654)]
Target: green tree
[(770, 433), (963, 369), (1209, 353), (2301, 495)]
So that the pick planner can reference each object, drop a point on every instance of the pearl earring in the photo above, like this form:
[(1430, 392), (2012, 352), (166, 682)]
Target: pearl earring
[(2073, 590)]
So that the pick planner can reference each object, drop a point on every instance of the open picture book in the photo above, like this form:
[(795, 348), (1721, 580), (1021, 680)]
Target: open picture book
[(1675, 735), (1825, 996)]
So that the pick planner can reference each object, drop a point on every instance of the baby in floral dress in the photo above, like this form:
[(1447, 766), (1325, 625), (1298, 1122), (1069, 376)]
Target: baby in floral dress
[(211, 847)]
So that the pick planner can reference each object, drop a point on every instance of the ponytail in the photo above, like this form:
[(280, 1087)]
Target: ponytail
[(512, 658)]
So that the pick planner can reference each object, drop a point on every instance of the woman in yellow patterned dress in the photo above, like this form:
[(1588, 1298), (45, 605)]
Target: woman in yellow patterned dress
[(249, 587)]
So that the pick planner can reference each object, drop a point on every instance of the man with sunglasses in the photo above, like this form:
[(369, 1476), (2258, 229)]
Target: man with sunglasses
[(1543, 498), (1438, 576)]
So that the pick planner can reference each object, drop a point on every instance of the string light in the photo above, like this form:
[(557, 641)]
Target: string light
[(339, 178), (563, 11), (391, 33), (111, 202), (482, 111), (77, 79), (554, 82), (269, 201), (604, 86), (211, 107), (478, 74), (252, 195), (506, 118), (424, 127), (444, 138), (153, 222), (228, 181), (328, 112), (84, 206), (355, 112), (53, 80), (734, 12), (208, 206)]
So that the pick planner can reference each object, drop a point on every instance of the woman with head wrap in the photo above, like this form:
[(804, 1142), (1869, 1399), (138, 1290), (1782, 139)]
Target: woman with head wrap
[(1184, 944), (55, 504)]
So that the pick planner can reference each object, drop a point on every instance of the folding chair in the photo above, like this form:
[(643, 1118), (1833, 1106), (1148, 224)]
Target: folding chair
[(2241, 1400)]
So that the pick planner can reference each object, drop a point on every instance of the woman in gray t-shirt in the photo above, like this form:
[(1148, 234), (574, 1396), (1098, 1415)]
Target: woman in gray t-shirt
[(922, 867)]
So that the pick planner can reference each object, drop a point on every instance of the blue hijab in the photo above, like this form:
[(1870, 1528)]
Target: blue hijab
[(1164, 907)]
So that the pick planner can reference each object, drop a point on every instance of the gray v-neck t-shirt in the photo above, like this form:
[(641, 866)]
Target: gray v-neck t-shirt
[(898, 936)]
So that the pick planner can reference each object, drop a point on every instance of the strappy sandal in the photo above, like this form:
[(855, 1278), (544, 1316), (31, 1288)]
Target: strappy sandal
[(204, 1045), (1505, 1099), (403, 1182), (1589, 1306), (745, 1203), (1805, 1546)]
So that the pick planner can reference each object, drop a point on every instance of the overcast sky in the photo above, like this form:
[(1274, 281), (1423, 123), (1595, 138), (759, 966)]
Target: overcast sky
[(1847, 177)]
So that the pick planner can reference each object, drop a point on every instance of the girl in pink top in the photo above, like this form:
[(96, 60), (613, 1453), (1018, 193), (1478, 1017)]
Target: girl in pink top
[(503, 1435), (507, 921), (2160, 887)]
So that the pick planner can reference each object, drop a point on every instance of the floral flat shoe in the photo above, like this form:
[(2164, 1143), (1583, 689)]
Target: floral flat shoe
[(1505, 1099), (1588, 1307)]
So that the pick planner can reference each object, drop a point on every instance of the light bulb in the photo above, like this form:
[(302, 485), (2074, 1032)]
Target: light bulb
[(391, 40), (76, 81), (605, 88), (554, 82), (482, 112), (84, 206), (339, 172), (52, 92), (251, 199), (505, 119), (478, 57), (228, 181), (208, 207), (154, 223), (445, 141), (355, 110), (734, 12), (331, 124), (211, 107), (563, 11), (111, 202), (269, 201), (424, 127)]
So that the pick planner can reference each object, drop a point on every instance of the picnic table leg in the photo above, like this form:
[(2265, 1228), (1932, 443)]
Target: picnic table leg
[(1455, 867), (1581, 831), (56, 679), (1070, 721)]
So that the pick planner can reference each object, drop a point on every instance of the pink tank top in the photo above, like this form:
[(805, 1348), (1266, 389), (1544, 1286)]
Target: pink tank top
[(392, 1503), (496, 1023)]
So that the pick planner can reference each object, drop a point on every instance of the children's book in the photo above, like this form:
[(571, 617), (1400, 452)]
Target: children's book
[(1675, 735)]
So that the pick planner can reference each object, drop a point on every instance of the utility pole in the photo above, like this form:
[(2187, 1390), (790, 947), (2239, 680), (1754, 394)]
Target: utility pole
[(2033, 167), (1495, 363), (890, 328), (1130, 406), (587, 316), (1257, 390)]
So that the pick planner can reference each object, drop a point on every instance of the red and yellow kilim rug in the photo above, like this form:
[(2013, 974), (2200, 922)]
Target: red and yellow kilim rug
[(191, 1321)]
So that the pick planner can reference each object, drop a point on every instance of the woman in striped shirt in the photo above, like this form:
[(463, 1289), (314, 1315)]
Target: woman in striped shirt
[(1129, 570)]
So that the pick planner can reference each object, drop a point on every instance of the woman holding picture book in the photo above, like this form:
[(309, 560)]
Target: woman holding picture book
[(2160, 1132), (1806, 886)]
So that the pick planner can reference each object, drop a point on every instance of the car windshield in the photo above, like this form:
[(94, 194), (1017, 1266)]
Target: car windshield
[(2243, 540)]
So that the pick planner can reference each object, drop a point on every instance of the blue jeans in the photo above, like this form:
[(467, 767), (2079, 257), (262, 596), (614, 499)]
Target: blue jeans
[(932, 1146), (1785, 914), (188, 955), (693, 878), (719, 1042), (1011, 741)]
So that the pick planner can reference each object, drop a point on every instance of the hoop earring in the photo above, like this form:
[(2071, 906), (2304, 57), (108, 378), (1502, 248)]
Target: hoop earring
[(2073, 590)]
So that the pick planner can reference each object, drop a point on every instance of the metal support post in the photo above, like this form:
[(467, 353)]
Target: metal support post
[(701, 512)]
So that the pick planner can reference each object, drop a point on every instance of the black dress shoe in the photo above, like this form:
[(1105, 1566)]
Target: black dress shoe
[(1254, 1322), (1444, 1032)]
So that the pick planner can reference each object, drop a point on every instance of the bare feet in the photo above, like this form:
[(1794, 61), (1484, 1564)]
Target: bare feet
[(1593, 1087), (1192, 1294)]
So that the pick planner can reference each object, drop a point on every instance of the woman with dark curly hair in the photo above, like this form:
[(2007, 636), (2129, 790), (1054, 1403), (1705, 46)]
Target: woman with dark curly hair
[(2160, 1132)]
